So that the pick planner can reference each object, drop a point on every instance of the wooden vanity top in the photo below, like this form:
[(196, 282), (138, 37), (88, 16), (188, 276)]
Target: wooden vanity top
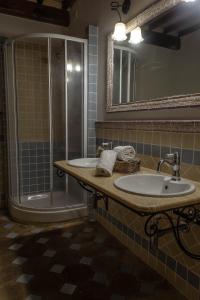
[(141, 204)]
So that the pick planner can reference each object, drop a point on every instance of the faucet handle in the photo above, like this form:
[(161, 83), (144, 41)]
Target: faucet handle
[(169, 155), (175, 156), (107, 145)]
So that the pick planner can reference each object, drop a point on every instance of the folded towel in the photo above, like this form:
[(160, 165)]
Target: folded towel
[(106, 163), (125, 153)]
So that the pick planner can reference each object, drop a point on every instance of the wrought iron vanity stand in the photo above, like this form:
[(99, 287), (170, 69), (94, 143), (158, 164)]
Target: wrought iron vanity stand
[(183, 218)]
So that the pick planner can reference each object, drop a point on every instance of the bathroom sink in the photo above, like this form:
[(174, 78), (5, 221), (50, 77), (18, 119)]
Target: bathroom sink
[(84, 162), (154, 185)]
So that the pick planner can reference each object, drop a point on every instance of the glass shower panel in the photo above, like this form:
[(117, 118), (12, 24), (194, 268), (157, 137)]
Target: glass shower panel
[(32, 105), (12, 132), (75, 96), (67, 85), (59, 121)]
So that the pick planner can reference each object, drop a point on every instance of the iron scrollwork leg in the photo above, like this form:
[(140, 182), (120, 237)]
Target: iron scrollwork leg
[(185, 217), (60, 173)]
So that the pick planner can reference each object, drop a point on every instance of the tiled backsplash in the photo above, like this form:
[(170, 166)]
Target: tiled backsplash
[(152, 139)]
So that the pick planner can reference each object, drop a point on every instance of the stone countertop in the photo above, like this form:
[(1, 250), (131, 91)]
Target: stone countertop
[(141, 204)]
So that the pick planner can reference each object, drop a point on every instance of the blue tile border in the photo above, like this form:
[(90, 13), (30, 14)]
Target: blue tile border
[(92, 88), (171, 263), (187, 156)]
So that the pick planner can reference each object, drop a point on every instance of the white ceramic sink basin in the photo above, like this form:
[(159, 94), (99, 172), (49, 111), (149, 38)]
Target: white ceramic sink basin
[(154, 185), (84, 162)]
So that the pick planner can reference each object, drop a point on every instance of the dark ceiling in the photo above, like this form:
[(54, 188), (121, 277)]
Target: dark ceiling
[(168, 29), (38, 11)]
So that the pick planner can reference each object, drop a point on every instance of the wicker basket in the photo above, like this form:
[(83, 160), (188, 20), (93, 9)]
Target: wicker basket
[(127, 167)]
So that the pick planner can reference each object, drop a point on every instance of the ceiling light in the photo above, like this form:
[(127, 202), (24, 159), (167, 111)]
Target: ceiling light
[(136, 36), (188, 0), (120, 32)]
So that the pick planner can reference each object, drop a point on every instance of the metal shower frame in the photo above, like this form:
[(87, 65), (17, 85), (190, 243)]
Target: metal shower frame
[(49, 37)]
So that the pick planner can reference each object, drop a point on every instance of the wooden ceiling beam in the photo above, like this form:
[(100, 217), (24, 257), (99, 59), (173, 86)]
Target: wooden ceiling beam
[(189, 30), (161, 40), (35, 11)]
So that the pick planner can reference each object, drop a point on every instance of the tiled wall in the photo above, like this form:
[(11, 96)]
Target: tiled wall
[(35, 167), (92, 88), (3, 156), (152, 139), (32, 90)]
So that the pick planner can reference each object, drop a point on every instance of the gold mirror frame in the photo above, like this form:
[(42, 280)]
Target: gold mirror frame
[(188, 100)]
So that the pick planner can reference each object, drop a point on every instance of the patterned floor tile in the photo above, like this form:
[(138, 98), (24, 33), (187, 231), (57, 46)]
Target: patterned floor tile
[(86, 261), (57, 269), (15, 247), (68, 289), (37, 230), (88, 230), (19, 260), (49, 253), (8, 226), (67, 235), (24, 278), (42, 241), (75, 247), (100, 278), (12, 235), (126, 269), (33, 297), (117, 297), (45, 266), (99, 240)]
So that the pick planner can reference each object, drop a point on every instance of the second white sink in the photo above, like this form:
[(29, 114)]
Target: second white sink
[(84, 162), (154, 185)]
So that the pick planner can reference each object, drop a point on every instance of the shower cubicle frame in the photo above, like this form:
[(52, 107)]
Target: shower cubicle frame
[(53, 214)]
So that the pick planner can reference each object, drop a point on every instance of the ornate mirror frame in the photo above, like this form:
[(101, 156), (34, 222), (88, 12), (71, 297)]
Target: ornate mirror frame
[(188, 100)]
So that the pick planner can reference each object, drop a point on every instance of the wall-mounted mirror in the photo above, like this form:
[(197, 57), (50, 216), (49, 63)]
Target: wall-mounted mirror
[(163, 70)]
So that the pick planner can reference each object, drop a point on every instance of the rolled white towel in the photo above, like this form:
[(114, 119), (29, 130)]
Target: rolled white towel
[(106, 163), (125, 153)]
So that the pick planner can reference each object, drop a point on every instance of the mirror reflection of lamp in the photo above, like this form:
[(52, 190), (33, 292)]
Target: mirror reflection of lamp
[(136, 36), (69, 68), (77, 68), (120, 28)]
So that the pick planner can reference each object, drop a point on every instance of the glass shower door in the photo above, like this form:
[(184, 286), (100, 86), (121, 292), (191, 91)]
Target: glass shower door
[(67, 80)]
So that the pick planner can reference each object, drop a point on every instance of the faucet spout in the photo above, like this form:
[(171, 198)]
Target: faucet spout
[(173, 160), (160, 163)]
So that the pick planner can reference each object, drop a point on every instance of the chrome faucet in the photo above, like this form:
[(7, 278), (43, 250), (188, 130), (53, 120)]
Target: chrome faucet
[(102, 147), (172, 159)]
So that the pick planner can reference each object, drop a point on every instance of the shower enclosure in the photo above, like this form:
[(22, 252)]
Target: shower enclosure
[(47, 121)]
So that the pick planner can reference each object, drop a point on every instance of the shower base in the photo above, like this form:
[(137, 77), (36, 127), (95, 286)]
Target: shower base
[(42, 208)]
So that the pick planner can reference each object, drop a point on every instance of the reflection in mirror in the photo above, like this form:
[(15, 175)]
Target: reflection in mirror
[(165, 64), (124, 73)]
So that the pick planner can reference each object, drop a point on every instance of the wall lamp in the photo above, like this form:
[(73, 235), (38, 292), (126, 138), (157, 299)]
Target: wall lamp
[(120, 28)]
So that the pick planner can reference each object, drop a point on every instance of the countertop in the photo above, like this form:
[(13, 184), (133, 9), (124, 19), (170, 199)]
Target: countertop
[(141, 204)]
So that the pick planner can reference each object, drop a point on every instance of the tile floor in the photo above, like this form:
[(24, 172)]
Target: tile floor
[(74, 260)]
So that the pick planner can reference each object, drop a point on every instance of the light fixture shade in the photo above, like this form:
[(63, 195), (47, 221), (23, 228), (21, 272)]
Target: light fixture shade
[(120, 32), (136, 36)]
